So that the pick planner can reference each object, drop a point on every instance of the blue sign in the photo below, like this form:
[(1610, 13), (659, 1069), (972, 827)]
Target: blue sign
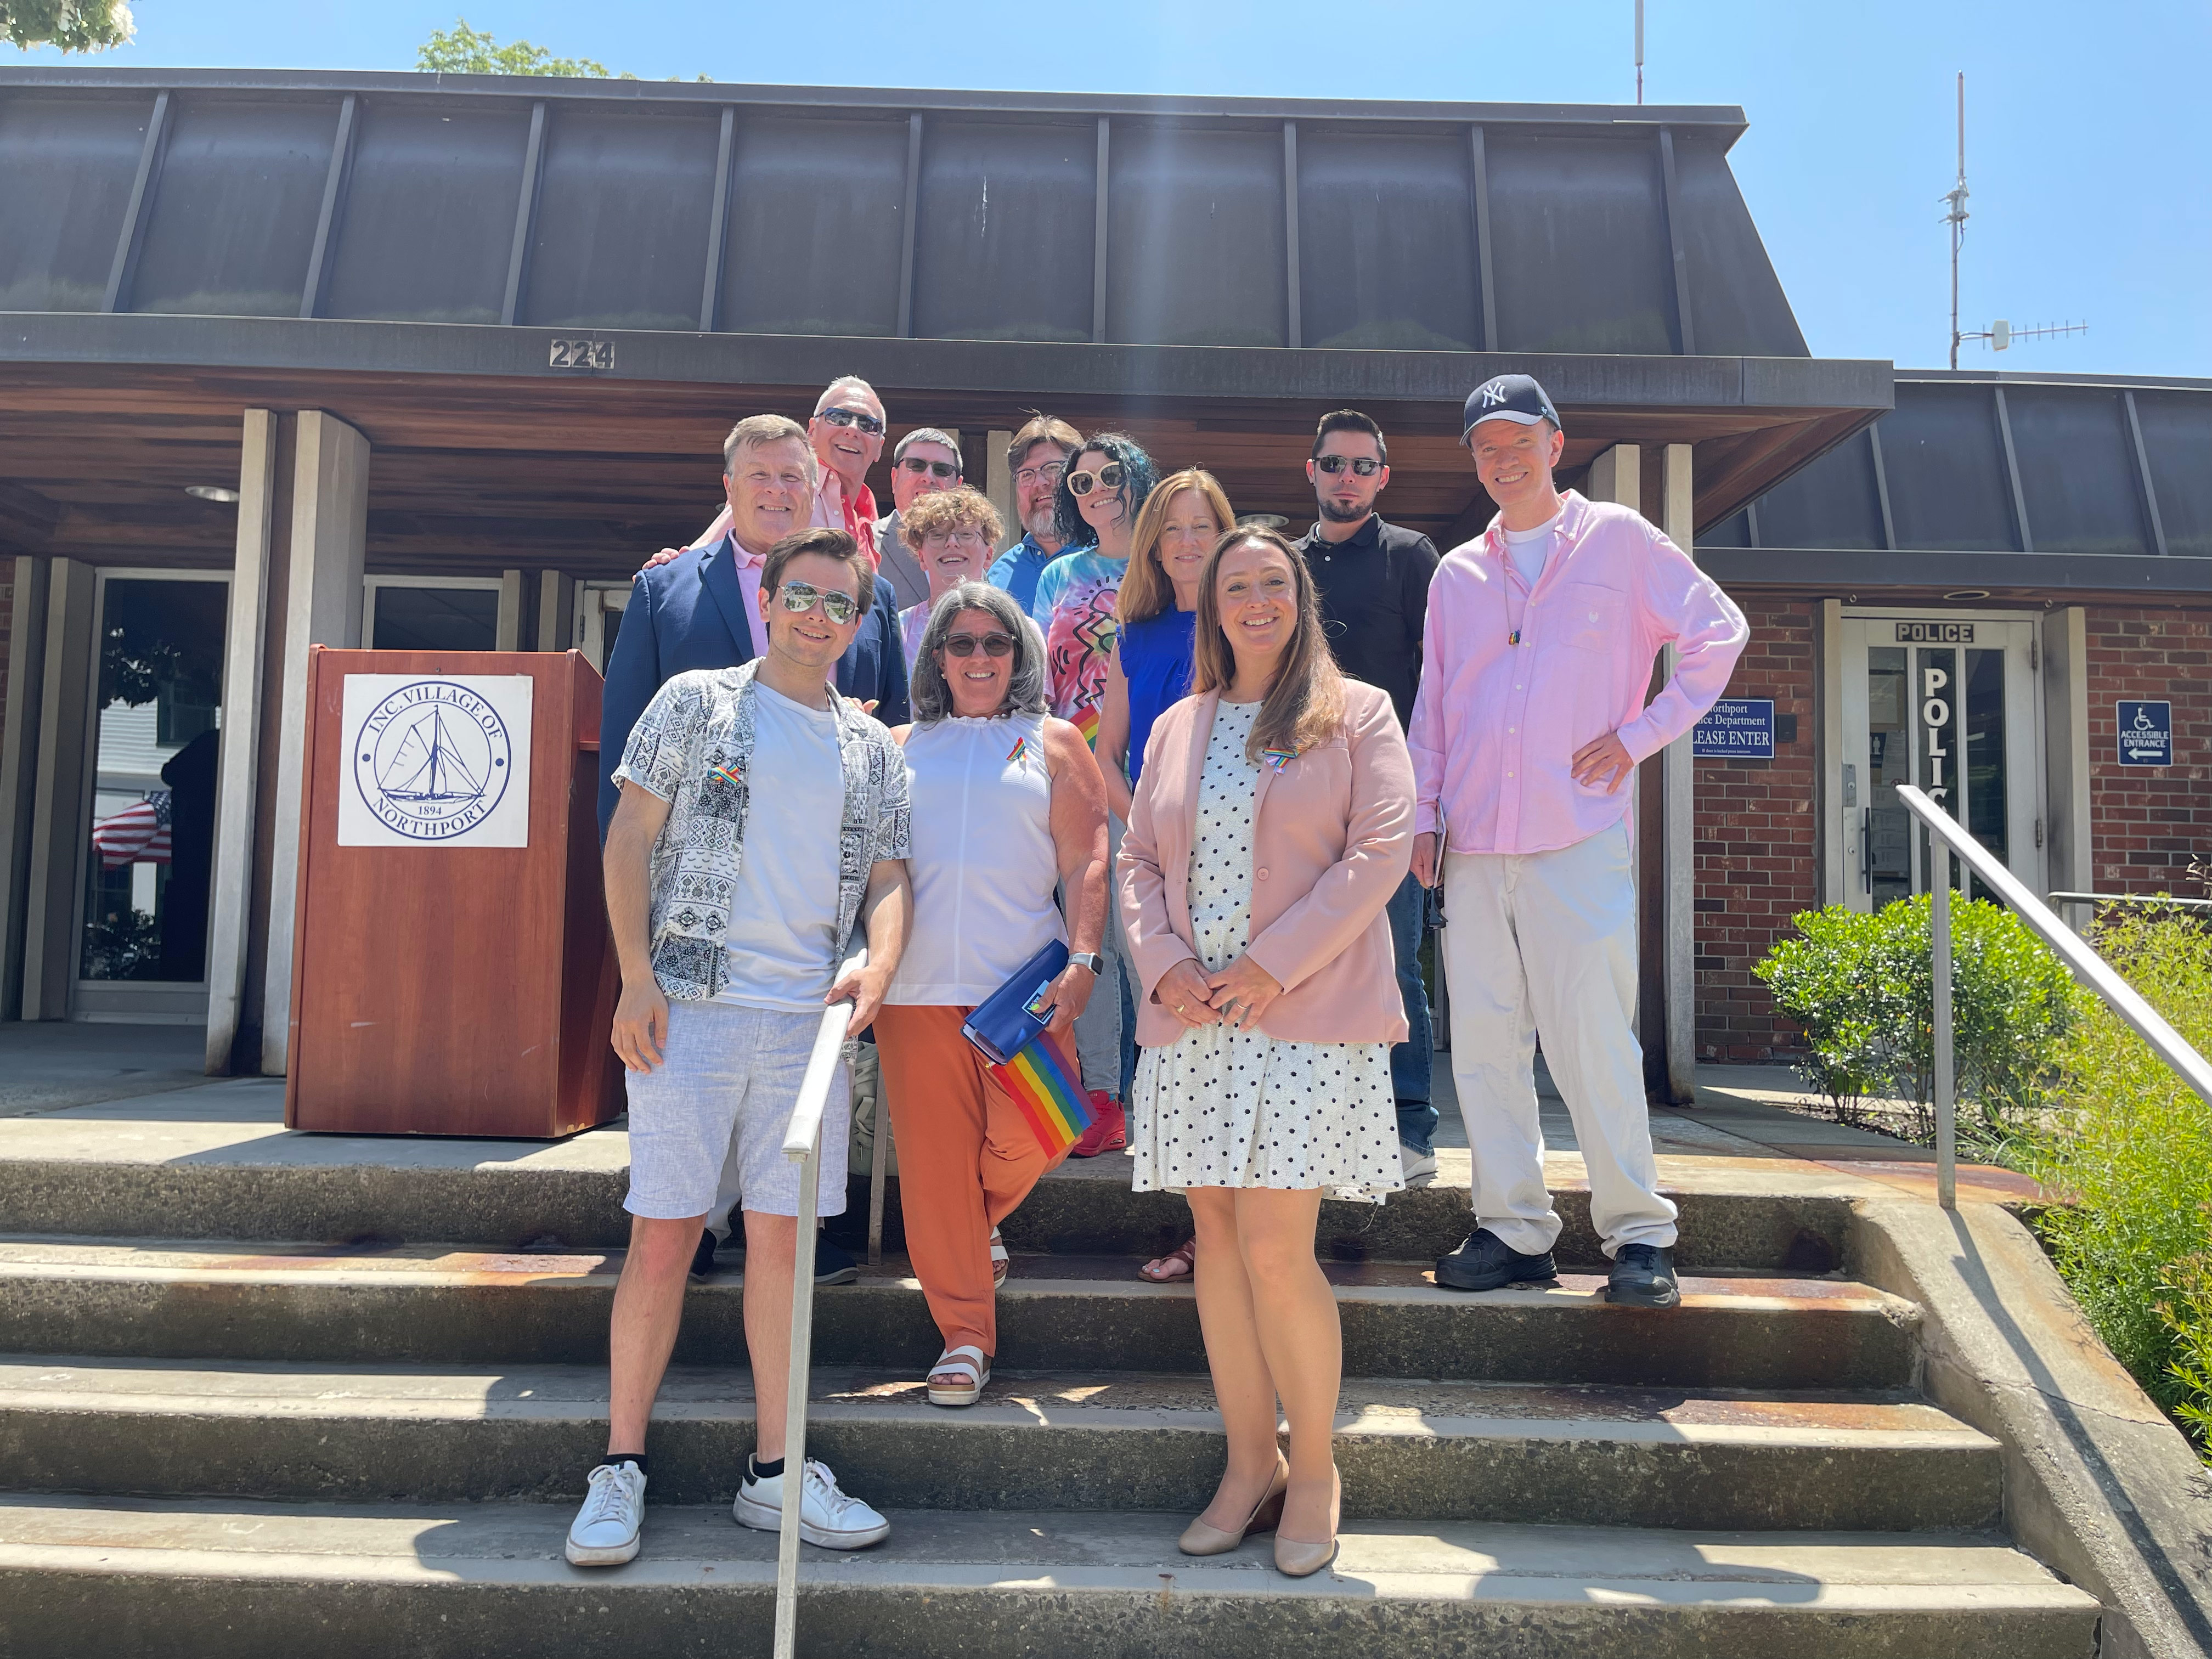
[(1735, 728), (2146, 733)]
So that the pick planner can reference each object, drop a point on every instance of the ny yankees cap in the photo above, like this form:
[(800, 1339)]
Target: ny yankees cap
[(1515, 398)]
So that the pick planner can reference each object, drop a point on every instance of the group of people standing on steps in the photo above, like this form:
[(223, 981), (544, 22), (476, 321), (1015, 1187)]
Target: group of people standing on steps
[(1240, 777)]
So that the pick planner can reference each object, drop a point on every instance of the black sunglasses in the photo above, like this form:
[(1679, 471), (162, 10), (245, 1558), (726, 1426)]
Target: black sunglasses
[(915, 464), (867, 423), (1366, 466), (1081, 484), (995, 645)]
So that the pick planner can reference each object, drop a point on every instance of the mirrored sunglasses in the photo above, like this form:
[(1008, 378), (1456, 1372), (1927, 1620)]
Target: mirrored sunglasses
[(867, 423), (801, 597), (995, 645), (1110, 475), (1365, 466)]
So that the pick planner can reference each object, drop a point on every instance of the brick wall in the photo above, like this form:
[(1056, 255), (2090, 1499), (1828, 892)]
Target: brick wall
[(2146, 823), (1754, 840)]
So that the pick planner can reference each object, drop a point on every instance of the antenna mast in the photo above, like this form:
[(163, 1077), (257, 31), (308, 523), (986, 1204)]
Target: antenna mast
[(1956, 218), (1639, 59)]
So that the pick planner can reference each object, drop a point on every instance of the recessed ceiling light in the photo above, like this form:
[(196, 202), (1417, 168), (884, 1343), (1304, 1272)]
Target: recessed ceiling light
[(211, 492), (1968, 594)]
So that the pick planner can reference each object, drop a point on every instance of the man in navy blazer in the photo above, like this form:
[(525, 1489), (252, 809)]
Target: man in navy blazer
[(698, 610)]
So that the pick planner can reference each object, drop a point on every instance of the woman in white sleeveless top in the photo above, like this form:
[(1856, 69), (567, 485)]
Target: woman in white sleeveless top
[(1008, 806)]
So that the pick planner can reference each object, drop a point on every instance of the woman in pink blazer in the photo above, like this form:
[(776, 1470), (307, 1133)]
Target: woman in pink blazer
[(1273, 822)]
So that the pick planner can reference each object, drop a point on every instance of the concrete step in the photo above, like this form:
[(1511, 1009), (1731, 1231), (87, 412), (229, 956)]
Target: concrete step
[(263, 1581), (249, 1179), (422, 1304), (1065, 1440)]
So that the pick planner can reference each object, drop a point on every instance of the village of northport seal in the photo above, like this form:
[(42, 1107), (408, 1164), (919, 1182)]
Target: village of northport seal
[(432, 760)]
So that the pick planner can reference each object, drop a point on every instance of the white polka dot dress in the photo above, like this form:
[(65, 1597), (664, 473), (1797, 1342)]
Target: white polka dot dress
[(1223, 1108)]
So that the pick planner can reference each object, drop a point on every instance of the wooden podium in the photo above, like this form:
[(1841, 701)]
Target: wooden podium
[(451, 989)]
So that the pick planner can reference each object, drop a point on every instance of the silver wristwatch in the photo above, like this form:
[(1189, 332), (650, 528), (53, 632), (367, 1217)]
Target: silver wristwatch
[(1090, 959)]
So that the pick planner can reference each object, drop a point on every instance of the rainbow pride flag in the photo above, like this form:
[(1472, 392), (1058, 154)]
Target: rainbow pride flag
[(1050, 1098)]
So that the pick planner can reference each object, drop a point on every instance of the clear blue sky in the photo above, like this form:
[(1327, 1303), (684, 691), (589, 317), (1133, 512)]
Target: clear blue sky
[(2089, 144)]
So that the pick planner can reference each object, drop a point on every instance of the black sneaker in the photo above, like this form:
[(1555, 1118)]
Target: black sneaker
[(1486, 1262), (1642, 1277), (834, 1266), (702, 1258)]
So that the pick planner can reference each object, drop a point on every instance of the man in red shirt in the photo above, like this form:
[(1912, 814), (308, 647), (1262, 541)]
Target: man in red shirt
[(847, 434)]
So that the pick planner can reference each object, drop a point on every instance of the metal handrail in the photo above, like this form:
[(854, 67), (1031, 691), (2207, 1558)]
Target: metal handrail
[(802, 1145), (2100, 976), (2153, 901)]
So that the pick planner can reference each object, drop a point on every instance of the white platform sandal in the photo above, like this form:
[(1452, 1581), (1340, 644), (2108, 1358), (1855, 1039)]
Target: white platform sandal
[(967, 1360), (1000, 1260)]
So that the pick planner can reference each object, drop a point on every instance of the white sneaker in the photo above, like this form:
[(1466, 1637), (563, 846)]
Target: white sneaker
[(605, 1534), (827, 1516), (1417, 1169)]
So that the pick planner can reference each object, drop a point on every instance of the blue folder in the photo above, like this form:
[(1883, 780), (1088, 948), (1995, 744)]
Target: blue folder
[(1009, 1020)]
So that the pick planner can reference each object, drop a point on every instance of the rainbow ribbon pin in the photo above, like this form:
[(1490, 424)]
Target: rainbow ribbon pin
[(1021, 748), (733, 774), (1277, 759)]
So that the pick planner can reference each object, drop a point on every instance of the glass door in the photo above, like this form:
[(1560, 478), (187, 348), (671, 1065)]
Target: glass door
[(149, 830), (1949, 704)]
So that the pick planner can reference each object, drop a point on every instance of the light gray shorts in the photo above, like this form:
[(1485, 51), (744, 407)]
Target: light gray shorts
[(725, 1088)]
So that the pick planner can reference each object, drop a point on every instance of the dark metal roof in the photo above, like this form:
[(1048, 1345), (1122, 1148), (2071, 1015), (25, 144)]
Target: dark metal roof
[(1024, 217), (1994, 480)]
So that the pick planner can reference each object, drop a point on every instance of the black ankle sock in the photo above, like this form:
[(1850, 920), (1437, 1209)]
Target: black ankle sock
[(615, 1458), (761, 1471)]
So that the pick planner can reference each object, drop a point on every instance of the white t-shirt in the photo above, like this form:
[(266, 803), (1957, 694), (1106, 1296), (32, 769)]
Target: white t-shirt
[(1529, 549), (782, 951)]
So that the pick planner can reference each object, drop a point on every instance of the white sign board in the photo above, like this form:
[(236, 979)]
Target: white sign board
[(435, 760)]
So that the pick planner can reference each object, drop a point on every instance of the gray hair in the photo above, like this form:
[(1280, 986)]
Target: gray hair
[(756, 430), (927, 689), (840, 383), (928, 434)]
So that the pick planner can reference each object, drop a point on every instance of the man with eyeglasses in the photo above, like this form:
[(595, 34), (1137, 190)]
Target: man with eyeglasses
[(761, 817), (1038, 454), (1373, 578), (923, 463), (955, 530), (847, 433), (1533, 715)]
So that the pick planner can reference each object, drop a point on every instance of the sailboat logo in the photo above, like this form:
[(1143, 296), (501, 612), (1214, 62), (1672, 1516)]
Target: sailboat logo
[(433, 760)]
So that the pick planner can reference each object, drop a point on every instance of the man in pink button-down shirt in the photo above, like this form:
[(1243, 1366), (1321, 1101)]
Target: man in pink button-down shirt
[(1528, 729)]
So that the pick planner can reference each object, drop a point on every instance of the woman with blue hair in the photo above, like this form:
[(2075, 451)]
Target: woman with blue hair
[(1105, 485)]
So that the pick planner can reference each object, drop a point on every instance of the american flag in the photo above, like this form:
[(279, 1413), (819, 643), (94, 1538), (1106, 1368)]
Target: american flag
[(136, 835)]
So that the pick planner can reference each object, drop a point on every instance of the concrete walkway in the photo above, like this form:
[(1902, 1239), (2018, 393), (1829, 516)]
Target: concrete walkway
[(133, 1095)]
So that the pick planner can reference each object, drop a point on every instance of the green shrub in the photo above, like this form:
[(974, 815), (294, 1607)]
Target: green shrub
[(2127, 1149), (1862, 987)]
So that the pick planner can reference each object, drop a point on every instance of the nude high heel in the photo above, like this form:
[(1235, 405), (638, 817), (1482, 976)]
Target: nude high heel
[(1297, 1559), (1199, 1539)]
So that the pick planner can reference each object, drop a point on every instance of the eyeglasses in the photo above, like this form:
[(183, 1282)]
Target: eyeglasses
[(799, 598), (1365, 466), (867, 423), (939, 539), (1045, 472), (1110, 475), (994, 645), (915, 464)]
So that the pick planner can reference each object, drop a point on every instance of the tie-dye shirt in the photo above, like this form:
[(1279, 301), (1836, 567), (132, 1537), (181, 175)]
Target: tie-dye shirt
[(1074, 611)]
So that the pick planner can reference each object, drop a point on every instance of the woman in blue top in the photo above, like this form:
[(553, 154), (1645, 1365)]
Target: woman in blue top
[(1150, 670)]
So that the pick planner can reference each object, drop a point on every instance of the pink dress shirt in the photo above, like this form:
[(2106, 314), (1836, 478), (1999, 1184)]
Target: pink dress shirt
[(750, 565), (1497, 724)]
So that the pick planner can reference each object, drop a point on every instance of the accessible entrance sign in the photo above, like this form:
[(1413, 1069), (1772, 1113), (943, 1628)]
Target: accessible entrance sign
[(2146, 733)]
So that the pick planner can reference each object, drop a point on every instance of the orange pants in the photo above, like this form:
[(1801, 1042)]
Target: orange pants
[(966, 1160)]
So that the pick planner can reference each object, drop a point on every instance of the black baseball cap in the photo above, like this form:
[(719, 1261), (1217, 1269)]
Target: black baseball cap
[(1515, 398)]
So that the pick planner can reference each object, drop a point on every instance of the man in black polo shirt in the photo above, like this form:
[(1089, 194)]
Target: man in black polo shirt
[(1374, 583)]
